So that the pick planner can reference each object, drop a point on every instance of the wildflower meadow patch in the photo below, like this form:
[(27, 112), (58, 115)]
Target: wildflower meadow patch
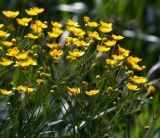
[(66, 79)]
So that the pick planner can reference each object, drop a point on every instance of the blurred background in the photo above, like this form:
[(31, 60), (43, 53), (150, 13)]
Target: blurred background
[(138, 21)]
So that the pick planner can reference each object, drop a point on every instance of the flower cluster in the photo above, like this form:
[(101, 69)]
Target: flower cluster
[(39, 46)]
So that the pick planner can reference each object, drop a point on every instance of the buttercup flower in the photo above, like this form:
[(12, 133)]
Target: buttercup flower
[(41, 24), (22, 55), (29, 61), (6, 62), (80, 43), (72, 23), (105, 27), (74, 91), (132, 87), (102, 48), (23, 21), (11, 14), (56, 54), (111, 62), (118, 57), (25, 89), (117, 37), (123, 51), (31, 36), (75, 54), (133, 62), (12, 51), (92, 24), (5, 92), (92, 92), (56, 24), (4, 34), (34, 11), (138, 79), (86, 19), (7, 43), (110, 43), (94, 35), (55, 33), (54, 45)]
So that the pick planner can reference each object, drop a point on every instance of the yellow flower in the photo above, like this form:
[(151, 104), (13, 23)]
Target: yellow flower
[(5, 92), (133, 62), (138, 79), (57, 31), (56, 54), (86, 19), (36, 29), (105, 29), (4, 34), (6, 62), (75, 54), (54, 45), (23, 21), (12, 52), (10, 14), (7, 43), (94, 35), (107, 25), (53, 35), (79, 32), (123, 51), (28, 62), (131, 59), (31, 36), (76, 31), (80, 43), (31, 61), (22, 55), (72, 28), (117, 37), (1, 26), (111, 62), (92, 92), (72, 23), (40, 24), (92, 24), (137, 67), (25, 89), (110, 43), (132, 87), (102, 48), (118, 57), (74, 91), (22, 64), (71, 40), (56, 24), (34, 11)]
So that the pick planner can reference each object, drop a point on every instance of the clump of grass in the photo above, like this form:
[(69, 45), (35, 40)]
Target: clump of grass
[(66, 79)]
